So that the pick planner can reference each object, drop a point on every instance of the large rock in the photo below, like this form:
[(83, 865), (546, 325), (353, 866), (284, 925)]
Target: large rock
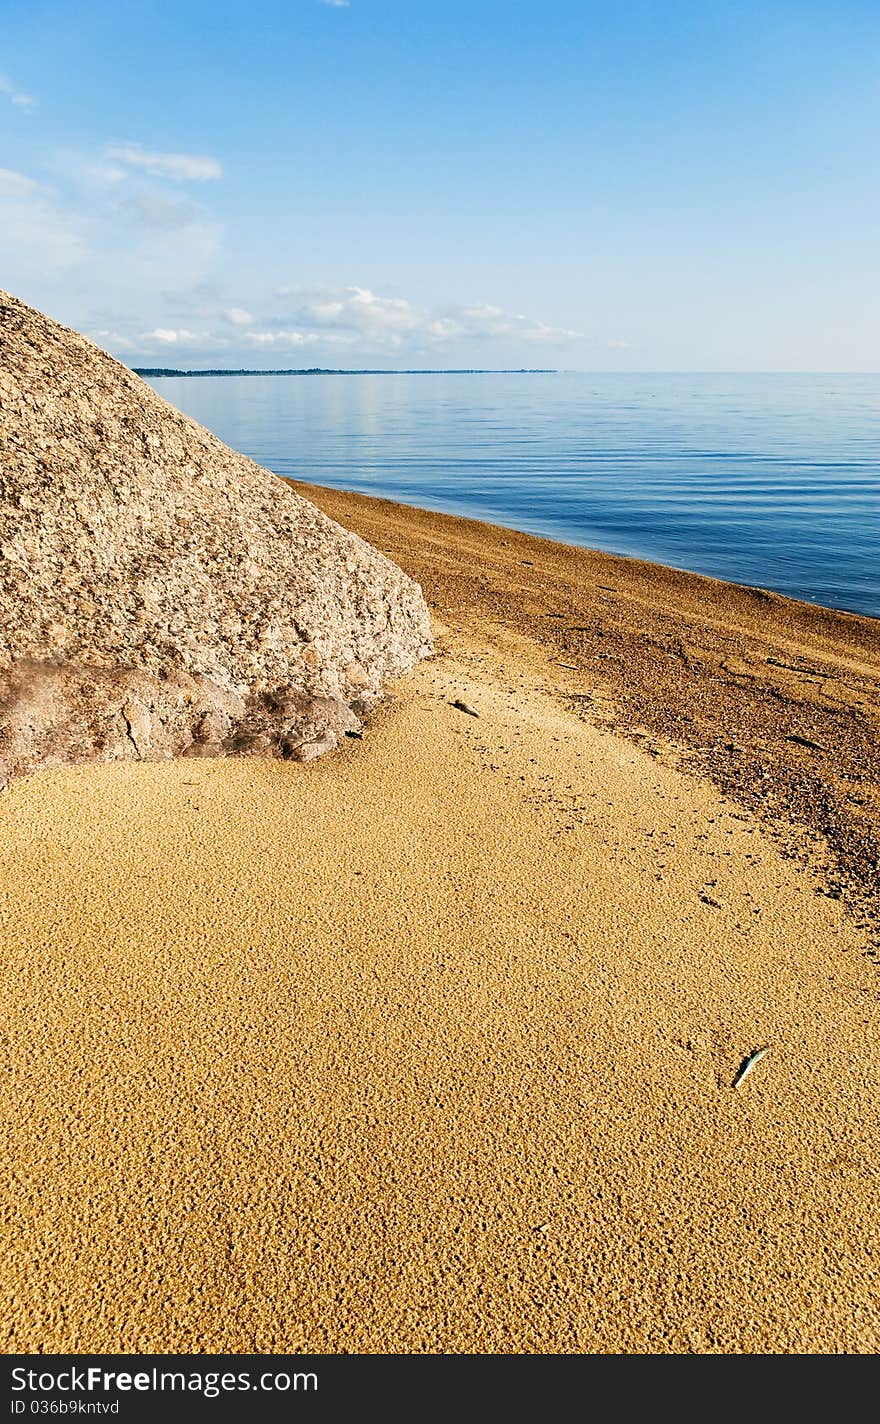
[(159, 593)]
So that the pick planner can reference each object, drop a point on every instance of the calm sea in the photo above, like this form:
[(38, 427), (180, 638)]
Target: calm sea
[(771, 480)]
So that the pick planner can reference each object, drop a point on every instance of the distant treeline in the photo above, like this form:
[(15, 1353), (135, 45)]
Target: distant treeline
[(349, 371)]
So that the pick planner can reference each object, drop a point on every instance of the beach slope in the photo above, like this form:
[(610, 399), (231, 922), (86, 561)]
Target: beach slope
[(430, 1045)]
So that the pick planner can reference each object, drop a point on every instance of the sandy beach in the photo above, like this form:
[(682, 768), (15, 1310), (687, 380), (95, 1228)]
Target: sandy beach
[(429, 1045)]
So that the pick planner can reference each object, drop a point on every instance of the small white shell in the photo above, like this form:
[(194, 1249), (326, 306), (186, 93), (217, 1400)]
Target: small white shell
[(749, 1063)]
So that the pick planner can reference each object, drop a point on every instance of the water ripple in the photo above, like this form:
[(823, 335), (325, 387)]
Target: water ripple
[(770, 480)]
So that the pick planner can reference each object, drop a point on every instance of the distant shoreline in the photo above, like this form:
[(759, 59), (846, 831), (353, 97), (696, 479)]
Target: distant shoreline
[(359, 371)]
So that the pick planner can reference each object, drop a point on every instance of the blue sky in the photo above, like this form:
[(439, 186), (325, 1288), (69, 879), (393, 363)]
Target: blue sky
[(642, 186)]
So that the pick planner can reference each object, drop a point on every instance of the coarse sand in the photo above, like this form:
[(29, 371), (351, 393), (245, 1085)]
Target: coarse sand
[(429, 1046)]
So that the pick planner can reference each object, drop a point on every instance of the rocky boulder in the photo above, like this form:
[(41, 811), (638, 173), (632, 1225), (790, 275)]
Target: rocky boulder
[(161, 595)]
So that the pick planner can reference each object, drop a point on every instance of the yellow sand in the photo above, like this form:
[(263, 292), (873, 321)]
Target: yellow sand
[(428, 1046)]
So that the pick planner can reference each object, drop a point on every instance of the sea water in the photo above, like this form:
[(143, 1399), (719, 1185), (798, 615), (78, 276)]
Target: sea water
[(769, 480)]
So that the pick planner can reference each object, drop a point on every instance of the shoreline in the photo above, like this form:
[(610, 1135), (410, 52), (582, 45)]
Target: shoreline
[(775, 700), (651, 566)]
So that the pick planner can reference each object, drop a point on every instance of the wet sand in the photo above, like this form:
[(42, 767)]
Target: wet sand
[(429, 1045)]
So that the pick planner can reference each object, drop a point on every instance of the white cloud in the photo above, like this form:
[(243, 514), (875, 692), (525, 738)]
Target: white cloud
[(166, 336), (346, 319), (283, 338), (37, 235), (180, 337), (393, 321), (185, 167), (15, 96), (493, 321), (116, 341), (337, 4), (134, 262)]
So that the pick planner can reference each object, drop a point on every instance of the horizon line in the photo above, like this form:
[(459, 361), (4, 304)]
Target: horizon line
[(170, 371), (348, 371)]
